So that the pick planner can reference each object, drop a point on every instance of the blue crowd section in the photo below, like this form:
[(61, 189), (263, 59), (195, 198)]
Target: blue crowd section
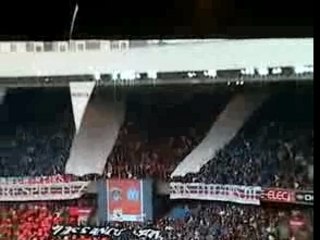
[(36, 132)]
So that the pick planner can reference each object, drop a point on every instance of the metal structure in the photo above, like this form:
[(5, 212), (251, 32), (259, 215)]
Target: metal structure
[(150, 62)]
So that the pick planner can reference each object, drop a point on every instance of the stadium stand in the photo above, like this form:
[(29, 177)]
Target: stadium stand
[(36, 132), (154, 147), (199, 221), (273, 149), (34, 220)]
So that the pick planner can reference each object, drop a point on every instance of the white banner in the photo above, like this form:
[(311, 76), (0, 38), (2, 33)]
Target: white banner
[(42, 191), (37, 180), (114, 233), (80, 96), (99, 131), (216, 192)]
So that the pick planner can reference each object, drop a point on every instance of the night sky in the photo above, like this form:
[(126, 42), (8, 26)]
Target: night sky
[(50, 20)]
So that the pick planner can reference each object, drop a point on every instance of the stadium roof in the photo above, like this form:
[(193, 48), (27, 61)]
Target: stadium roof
[(41, 59)]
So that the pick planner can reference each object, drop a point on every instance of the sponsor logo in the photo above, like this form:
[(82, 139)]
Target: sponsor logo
[(116, 194), (133, 195), (278, 195), (304, 197)]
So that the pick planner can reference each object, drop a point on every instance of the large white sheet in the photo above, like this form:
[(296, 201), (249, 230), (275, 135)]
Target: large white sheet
[(97, 135)]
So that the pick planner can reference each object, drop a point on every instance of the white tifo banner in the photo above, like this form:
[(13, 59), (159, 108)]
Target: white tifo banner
[(42, 191), (216, 192), (80, 96), (97, 135)]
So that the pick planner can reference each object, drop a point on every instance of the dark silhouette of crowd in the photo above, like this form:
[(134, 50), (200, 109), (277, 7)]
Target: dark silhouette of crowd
[(36, 132), (149, 144), (159, 132), (273, 149)]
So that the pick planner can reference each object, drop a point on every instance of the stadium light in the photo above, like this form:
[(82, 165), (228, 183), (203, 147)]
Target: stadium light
[(263, 71), (248, 71), (210, 73), (191, 74), (276, 70), (115, 76), (152, 74), (97, 76), (128, 75)]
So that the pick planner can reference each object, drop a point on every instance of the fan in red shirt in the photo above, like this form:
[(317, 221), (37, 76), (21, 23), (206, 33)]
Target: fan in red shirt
[(297, 223)]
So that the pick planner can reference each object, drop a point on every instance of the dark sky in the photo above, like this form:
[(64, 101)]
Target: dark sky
[(48, 19)]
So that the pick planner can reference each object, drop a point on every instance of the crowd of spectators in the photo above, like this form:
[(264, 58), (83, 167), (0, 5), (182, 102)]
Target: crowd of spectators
[(149, 143), (273, 149), (30, 221), (223, 221), (37, 132), (34, 220), (39, 152), (202, 221), (154, 158)]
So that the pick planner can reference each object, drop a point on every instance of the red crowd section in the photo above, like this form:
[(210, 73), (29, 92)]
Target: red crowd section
[(206, 221)]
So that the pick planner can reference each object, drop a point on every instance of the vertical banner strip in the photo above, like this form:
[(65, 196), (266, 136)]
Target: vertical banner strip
[(98, 133), (147, 199), (102, 201), (108, 212), (3, 92), (142, 212), (80, 96)]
